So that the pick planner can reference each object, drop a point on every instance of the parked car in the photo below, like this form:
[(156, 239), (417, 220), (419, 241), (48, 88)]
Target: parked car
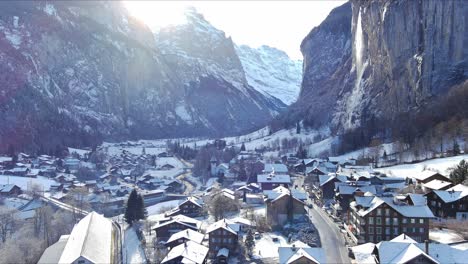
[(275, 239), (257, 235), (350, 252)]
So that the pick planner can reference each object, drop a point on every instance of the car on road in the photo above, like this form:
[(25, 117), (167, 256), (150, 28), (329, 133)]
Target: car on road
[(310, 205), (350, 252), (275, 239)]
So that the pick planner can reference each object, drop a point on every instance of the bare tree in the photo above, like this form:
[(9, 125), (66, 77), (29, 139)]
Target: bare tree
[(219, 205), (7, 222)]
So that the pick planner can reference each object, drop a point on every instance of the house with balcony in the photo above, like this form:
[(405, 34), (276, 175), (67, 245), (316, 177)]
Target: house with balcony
[(450, 203), (222, 239)]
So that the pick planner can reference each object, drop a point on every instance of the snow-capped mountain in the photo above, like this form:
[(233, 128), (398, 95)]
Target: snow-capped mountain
[(271, 72), (74, 73)]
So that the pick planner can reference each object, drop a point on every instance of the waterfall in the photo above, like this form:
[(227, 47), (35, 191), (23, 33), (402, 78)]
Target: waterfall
[(359, 49)]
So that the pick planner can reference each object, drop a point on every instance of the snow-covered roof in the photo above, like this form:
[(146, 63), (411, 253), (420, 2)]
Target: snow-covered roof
[(291, 254), (403, 238), (224, 252), (437, 184), (281, 191), (189, 234), (348, 189), (422, 211), (274, 178), (418, 199), (363, 253), (91, 238), (224, 224), (323, 179), (190, 252), (453, 194), (274, 167), (53, 253), (422, 176), (394, 252)]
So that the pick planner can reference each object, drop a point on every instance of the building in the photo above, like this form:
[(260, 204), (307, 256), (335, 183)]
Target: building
[(405, 250), (451, 203), (168, 226), (327, 185), (373, 219), (283, 205), (276, 168), (427, 176), (92, 240), (190, 207), (273, 180), (301, 255), (222, 236), (9, 190), (184, 236), (188, 252)]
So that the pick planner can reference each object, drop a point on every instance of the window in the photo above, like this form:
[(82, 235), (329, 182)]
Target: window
[(387, 220), (421, 221), (387, 230), (404, 221), (395, 231), (81, 261), (405, 230), (379, 211), (378, 230), (433, 203), (379, 238), (371, 230), (387, 211), (378, 220), (413, 220), (421, 230), (371, 220)]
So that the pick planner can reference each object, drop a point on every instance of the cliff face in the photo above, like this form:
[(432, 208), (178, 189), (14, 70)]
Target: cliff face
[(78, 72), (387, 58)]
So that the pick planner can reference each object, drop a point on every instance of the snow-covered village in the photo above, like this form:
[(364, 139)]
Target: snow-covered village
[(240, 132)]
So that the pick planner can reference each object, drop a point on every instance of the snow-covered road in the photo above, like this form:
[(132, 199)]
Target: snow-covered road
[(132, 250)]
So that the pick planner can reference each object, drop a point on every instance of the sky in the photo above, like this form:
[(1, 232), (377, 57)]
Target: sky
[(280, 24)]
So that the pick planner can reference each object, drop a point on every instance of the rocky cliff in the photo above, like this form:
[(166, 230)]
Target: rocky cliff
[(373, 60), (75, 73)]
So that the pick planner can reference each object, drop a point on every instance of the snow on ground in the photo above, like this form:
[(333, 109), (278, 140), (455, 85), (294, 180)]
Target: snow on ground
[(444, 236), (265, 247), (114, 150), (25, 183), (81, 152), (132, 250), (155, 209), (408, 170)]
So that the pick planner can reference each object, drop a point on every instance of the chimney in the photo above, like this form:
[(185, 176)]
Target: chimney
[(293, 248), (185, 244), (426, 242)]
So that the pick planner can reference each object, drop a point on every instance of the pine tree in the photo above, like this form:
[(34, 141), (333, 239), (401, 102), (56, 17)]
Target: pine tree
[(459, 174), (131, 209), (298, 128), (249, 241), (242, 147), (456, 148), (141, 212)]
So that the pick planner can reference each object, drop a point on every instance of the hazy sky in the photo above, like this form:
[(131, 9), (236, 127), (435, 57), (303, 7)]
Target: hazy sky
[(280, 24)]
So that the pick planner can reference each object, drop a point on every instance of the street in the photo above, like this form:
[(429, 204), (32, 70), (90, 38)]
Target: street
[(331, 237)]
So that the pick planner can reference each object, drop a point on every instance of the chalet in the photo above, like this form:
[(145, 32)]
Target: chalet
[(222, 236), (273, 180), (374, 219), (91, 241), (301, 255), (18, 171), (403, 249), (283, 205), (6, 162), (346, 191), (327, 185), (190, 207), (427, 176), (8, 190), (450, 203), (168, 226), (188, 252), (184, 236)]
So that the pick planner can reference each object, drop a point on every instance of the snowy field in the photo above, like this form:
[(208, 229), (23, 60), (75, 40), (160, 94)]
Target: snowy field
[(155, 209), (444, 236), (265, 247), (440, 165), (24, 183)]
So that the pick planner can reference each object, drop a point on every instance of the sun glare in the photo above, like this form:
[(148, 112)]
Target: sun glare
[(157, 14)]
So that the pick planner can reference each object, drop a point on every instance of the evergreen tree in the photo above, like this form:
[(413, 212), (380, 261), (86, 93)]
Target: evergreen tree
[(131, 208), (459, 174), (249, 241), (242, 147), (298, 128), (242, 173), (456, 148), (141, 212), (385, 155)]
